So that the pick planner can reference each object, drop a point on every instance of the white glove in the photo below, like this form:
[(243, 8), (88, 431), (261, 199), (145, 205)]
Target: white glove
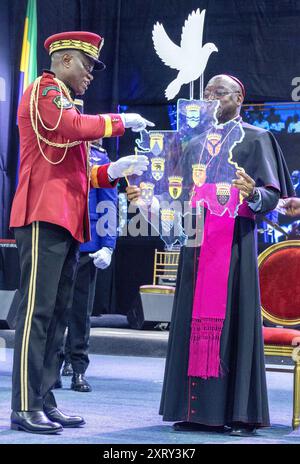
[(102, 257), (127, 166), (135, 121)]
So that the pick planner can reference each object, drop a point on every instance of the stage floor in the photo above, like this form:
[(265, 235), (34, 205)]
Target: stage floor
[(123, 407)]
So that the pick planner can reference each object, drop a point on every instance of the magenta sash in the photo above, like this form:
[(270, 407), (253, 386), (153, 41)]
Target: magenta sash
[(210, 297)]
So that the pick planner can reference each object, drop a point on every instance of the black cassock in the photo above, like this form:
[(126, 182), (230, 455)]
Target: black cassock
[(240, 394)]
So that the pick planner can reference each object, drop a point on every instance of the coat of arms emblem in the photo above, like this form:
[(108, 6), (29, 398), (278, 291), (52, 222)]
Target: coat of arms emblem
[(199, 174), (223, 192), (147, 192), (156, 143), (213, 144), (157, 168), (192, 115), (175, 186), (168, 216)]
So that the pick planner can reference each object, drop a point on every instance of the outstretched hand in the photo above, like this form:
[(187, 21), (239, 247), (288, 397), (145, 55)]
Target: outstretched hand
[(135, 121)]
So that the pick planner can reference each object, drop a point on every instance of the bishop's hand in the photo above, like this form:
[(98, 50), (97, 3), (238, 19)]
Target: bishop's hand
[(245, 184)]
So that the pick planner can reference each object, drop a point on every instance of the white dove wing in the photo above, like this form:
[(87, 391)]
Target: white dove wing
[(192, 34), (169, 53)]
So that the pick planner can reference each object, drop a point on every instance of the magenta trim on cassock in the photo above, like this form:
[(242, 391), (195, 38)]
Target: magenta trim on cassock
[(210, 298)]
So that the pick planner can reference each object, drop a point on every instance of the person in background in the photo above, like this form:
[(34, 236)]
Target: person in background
[(296, 181), (294, 125), (277, 125), (261, 122)]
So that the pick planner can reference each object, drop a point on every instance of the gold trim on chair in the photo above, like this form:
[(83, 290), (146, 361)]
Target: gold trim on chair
[(158, 290), (284, 350), (165, 265), (278, 350), (296, 397), (261, 259)]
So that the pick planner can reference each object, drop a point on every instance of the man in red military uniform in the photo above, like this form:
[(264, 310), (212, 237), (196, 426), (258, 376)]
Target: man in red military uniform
[(50, 217)]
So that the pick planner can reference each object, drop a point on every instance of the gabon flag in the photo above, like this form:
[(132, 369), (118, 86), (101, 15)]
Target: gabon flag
[(28, 66)]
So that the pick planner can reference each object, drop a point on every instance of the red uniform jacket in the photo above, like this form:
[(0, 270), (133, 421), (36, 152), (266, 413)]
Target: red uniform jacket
[(58, 193)]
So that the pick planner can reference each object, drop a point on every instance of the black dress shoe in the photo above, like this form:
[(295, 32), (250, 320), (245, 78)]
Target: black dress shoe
[(243, 431), (56, 415), (195, 427), (33, 422), (80, 384), (67, 370)]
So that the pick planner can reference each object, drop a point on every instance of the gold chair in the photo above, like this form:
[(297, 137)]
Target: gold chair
[(164, 273), (153, 307), (279, 276)]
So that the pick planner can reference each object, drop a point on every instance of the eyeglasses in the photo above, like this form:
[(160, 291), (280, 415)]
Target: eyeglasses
[(217, 93)]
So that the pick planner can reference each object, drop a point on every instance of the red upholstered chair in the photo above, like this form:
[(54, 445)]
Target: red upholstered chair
[(279, 275)]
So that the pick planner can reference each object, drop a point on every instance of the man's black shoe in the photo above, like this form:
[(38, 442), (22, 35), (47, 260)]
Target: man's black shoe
[(56, 415), (243, 431), (195, 427), (33, 422), (80, 384), (67, 370)]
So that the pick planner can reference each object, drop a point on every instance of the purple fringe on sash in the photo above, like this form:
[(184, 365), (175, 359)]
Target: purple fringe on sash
[(210, 297), (204, 357)]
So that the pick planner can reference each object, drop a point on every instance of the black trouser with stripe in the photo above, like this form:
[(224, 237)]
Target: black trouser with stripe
[(77, 342), (48, 257)]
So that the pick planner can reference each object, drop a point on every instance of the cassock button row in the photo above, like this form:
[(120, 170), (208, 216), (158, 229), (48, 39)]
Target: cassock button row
[(194, 397), (193, 411), (194, 384)]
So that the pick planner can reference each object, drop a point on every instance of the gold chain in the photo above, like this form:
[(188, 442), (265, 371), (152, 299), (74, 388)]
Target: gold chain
[(34, 121)]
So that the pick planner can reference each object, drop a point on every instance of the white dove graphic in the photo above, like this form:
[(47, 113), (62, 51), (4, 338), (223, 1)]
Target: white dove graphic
[(191, 58)]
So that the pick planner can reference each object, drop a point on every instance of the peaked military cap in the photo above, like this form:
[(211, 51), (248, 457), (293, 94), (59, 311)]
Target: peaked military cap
[(86, 42)]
